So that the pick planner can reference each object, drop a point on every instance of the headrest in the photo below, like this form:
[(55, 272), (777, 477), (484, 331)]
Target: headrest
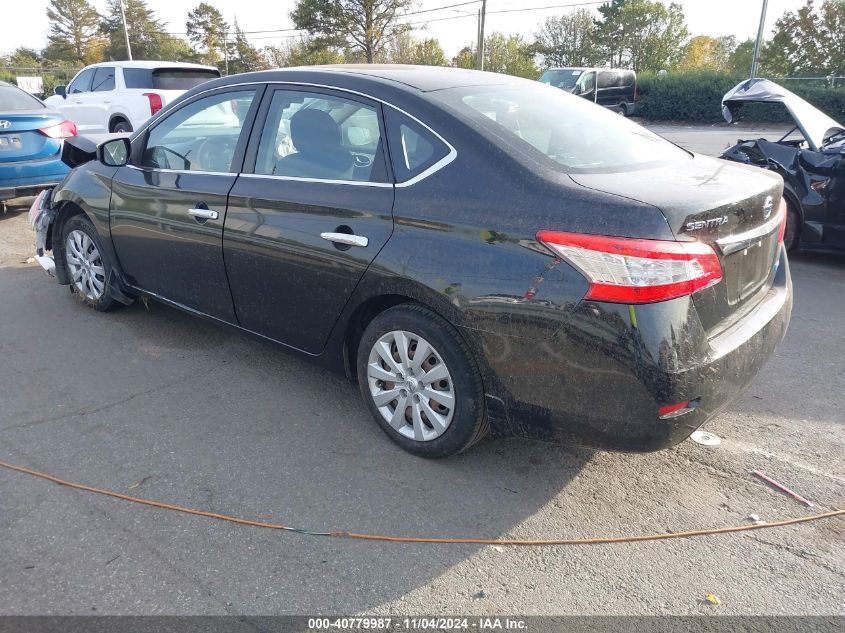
[(314, 130)]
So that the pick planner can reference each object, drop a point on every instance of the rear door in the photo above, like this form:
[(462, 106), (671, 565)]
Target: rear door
[(310, 214), (168, 205)]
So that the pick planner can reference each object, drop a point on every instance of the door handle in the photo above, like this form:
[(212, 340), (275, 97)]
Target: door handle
[(346, 238), (204, 214)]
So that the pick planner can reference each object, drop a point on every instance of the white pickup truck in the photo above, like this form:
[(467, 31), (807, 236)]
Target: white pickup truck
[(120, 96)]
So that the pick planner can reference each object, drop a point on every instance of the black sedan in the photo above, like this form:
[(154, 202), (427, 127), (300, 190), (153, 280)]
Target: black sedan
[(481, 253), (810, 157)]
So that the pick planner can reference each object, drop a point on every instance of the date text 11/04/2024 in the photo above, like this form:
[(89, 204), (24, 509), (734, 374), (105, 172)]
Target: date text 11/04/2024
[(420, 623)]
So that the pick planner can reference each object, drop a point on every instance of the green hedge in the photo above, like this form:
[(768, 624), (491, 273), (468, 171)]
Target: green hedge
[(697, 97)]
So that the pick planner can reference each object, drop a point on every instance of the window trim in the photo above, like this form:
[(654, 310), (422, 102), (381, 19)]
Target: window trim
[(262, 86)]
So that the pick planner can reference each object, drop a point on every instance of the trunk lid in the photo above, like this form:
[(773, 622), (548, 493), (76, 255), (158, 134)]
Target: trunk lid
[(20, 139), (733, 208)]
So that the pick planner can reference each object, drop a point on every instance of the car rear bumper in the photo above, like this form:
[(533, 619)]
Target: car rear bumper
[(601, 380), (27, 178)]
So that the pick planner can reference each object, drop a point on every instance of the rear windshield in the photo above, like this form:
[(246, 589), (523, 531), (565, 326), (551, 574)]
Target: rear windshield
[(562, 78), (167, 78), (12, 99), (558, 129)]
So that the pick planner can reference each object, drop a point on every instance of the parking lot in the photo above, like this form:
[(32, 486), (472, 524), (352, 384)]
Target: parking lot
[(154, 403)]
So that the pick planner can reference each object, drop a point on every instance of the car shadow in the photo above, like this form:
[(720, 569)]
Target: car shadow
[(165, 406)]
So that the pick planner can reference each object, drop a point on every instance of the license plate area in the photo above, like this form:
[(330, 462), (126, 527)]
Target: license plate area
[(749, 269)]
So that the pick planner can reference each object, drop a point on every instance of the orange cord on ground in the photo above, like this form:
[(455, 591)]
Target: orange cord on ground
[(422, 539)]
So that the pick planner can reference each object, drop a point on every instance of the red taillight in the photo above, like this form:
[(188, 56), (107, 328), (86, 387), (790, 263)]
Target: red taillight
[(626, 270), (784, 214), (676, 410), (155, 102), (65, 129)]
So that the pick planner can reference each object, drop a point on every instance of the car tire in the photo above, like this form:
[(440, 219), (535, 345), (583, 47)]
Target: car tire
[(793, 228), (622, 109), (87, 264), (439, 408), (121, 127)]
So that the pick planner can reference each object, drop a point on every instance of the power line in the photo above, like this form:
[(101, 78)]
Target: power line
[(289, 30), (520, 10)]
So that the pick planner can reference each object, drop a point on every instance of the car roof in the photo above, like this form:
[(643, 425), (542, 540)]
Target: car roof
[(624, 70), (141, 63), (419, 78)]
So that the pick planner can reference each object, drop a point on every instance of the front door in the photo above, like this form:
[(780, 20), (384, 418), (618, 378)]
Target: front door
[(73, 105), (168, 205), (305, 224)]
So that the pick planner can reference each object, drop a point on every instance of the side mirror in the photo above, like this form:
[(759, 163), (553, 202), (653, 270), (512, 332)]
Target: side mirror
[(578, 89), (61, 91), (114, 153)]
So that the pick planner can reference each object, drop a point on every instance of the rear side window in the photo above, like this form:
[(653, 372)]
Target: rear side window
[(607, 79), (167, 78), (103, 79), (413, 148), (557, 129), (12, 99)]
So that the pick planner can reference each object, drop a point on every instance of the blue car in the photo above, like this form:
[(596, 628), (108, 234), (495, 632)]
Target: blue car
[(31, 137)]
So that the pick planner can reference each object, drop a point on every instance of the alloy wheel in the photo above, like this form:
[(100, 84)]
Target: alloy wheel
[(411, 385), (87, 272)]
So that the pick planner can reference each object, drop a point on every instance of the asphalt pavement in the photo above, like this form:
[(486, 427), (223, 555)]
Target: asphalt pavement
[(154, 403)]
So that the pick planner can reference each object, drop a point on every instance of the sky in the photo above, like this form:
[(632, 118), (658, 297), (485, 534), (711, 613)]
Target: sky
[(711, 17)]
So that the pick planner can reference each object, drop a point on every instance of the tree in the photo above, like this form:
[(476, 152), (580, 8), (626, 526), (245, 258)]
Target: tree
[(366, 26), (23, 57), (466, 58), (807, 42), (506, 54), (303, 51), (207, 32), (146, 32), (73, 28), (568, 40), (832, 35), (243, 56), (740, 59), (704, 52), (407, 49), (642, 34)]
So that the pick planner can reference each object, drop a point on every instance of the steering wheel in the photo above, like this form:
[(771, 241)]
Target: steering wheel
[(215, 154)]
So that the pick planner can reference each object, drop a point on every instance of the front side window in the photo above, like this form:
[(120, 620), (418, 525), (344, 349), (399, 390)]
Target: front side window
[(321, 136), (564, 78), (103, 79), (201, 136), (82, 83), (557, 129), (588, 82)]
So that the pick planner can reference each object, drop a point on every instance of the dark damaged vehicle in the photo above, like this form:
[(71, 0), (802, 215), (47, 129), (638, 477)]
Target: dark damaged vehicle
[(810, 158), (479, 252)]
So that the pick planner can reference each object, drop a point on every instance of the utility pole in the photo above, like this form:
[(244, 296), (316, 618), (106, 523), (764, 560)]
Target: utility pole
[(125, 31), (226, 50), (756, 58), (482, 16)]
